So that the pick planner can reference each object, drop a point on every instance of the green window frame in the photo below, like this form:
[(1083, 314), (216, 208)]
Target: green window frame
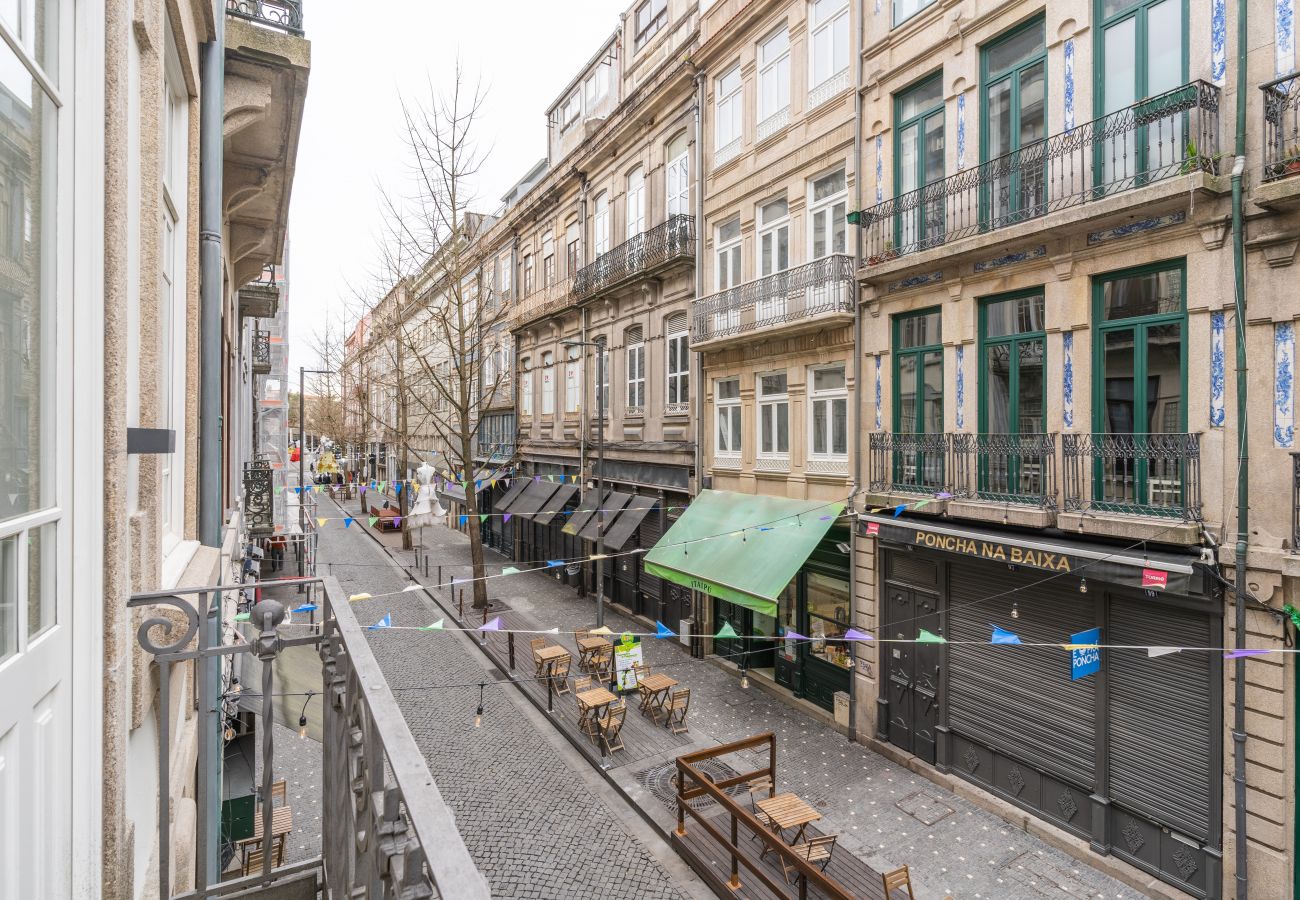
[(1149, 481), (918, 115), (1011, 465), (917, 458), (1019, 192), (1157, 145)]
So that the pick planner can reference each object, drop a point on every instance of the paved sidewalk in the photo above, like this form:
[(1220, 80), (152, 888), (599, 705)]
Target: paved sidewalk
[(885, 814), (539, 822)]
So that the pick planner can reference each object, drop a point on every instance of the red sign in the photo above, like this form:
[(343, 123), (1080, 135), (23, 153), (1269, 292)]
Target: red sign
[(873, 528), (1154, 578)]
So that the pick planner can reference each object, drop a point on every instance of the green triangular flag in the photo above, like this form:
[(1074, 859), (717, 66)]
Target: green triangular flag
[(373, 520), (278, 488), (482, 517), (509, 570), (436, 626), (241, 617), (926, 637), (726, 631)]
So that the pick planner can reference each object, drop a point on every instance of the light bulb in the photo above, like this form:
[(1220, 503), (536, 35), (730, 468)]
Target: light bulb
[(478, 718), (1015, 611), (744, 679), (302, 726), (230, 733), (1083, 585)]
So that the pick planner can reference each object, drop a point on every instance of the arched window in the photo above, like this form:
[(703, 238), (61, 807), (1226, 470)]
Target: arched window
[(677, 185)]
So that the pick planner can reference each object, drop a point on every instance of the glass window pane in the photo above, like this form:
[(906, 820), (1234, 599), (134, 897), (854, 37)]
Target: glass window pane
[(765, 415), (828, 186), (997, 388), (819, 410), (934, 392), (1120, 83), (933, 164), (908, 150), (729, 231), (1019, 315), (8, 596), (1118, 375), (1154, 293), (828, 617), (1164, 379), (1111, 7), (729, 389), (905, 391), (828, 379), (1030, 358), (777, 209), (919, 330), (840, 426), (40, 578), (999, 118), (920, 99), (1033, 106), (782, 427), (1164, 47), (1016, 49)]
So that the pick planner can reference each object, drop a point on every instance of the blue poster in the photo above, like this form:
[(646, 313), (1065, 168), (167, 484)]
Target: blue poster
[(1085, 661)]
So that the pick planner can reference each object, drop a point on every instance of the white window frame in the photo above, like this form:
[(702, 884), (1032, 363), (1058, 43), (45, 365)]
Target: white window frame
[(773, 79), (548, 384), (571, 110), (825, 210), (573, 380), (729, 121), (635, 202), (548, 259), (530, 281), (507, 276), (600, 224), (602, 378), (771, 230), (596, 86), (656, 18), (526, 392), (827, 397), (728, 271), (776, 402), (636, 376), (677, 185), (677, 389), (727, 419), (831, 26)]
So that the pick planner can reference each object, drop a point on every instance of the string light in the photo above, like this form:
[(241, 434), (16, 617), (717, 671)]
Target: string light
[(1015, 610), (478, 713), (1083, 585), (302, 716)]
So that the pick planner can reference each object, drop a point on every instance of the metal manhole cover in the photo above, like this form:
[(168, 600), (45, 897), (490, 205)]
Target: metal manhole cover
[(925, 807), (662, 782)]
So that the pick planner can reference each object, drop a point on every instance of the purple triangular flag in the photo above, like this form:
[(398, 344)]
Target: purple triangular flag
[(1238, 654), (494, 625), (854, 635), (794, 636), (507, 517)]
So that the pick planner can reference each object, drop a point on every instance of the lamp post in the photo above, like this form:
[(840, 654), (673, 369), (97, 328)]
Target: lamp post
[(600, 470), (302, 452)]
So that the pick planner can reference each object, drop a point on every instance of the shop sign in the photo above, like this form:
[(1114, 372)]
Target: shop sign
[(1085, 655), (992, 550)]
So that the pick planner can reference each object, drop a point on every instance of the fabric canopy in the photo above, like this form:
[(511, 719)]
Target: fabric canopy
[(534, 498), (603, 517), (617, 534), (556, 504), (750, 570), (580, 515), (516, 488)]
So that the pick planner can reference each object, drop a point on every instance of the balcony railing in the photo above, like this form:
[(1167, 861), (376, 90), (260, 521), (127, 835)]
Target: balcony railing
[(1005, 468), (285, 15), (544, 300), (260, 299), (1174, 133), (261, 356), (908, 463), (824, 286), (1133, 474), (1295, 502), (637, 256), (1281, 127), (259, 510)]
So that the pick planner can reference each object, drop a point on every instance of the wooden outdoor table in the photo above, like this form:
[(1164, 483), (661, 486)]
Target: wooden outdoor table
[(654, 688), (281, 825), (553, 653), (591, 703), (789, 811), (588, 646)]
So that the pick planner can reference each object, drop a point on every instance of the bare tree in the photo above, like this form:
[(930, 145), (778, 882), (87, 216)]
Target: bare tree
[(436, 306)]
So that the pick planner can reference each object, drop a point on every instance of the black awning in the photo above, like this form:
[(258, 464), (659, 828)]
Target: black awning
[(512, 494), (618, 534), (586, 507), (534, 498), (555, 505), (605, 515), (1132, 566)]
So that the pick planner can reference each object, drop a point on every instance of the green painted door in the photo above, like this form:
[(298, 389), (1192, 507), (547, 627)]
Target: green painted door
[(1013, 357), (918, 155), (918, 400), (1014, 117)]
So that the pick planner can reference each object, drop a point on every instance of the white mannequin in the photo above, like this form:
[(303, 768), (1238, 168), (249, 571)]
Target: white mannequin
[(426, 506)]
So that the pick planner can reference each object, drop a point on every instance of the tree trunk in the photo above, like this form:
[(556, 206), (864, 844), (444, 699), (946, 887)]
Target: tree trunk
[(475, 545)]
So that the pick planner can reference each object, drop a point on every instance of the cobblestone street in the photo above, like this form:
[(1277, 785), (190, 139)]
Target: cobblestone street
[(885, 814), (537, 820)]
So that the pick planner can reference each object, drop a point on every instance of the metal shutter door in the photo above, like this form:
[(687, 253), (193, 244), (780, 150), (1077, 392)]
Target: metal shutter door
[(1020, 700), (648, 535), (1161, 729)]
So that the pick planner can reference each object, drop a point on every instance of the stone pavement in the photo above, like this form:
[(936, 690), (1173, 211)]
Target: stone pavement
[(885, 814), (539, 822)]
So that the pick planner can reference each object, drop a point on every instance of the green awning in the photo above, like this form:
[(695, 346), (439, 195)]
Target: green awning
[(752, 570)]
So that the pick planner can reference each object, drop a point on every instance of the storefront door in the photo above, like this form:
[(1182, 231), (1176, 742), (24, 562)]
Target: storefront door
[(755, 647), (912, 670)]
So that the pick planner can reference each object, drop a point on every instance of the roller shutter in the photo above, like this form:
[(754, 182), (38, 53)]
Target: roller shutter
[(648, 535), (1162, 728), (1020, 700)]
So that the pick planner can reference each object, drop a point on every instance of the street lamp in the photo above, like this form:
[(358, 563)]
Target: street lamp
[(600, 470), (302, 452)]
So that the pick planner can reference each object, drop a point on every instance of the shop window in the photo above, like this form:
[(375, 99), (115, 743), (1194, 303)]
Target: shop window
[(828, 618)]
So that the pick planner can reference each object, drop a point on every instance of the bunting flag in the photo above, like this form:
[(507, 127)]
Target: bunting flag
[(347, 521), (464, 519), (555, 630), (1161, 651), (794, 636), (355, 597), (1002, 636), (854, 635), (433, 626), (552, 563), (373, 520), (662, 630), (278, 489), (943, 495), (397, 522), (305, 608), (483, 517), (898, 510), (507, 518), (494, 625), (320, 521), (385, 622), (398, 488), (920, 503), (604, 629), (726, 631), (1239, 654), (510, 570), (241, 617), (412, 587), (926, 637)]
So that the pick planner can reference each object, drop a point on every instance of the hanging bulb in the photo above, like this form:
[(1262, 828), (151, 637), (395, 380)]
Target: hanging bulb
[(302, 726), (234, 684), (478, 717), (230, 733), (1083, 585), (1015, 611), (744, 680)]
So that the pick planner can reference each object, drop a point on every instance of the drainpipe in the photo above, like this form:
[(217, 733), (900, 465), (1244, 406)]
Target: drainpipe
[(211, 303), (857, 368), (697, 359), (585, 423), (1243, 466)]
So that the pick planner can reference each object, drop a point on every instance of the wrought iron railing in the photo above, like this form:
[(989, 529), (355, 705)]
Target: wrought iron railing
[(1295, 502), (1174, 133), (1133, 474), (260, 299), (544, 300), (261, 356), (285, 15), (823, 286), (1281, 127), (673, 239), (908, 463), (259, 512), (1005, 468)]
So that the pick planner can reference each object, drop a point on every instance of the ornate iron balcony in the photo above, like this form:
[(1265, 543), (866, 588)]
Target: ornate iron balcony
[(638, 256), (1005, 468), (1281, 127), (908, 463), (1174, 133), (260, 299), (544, 300), (258, 499), (824, 286), (286, 15), (261, 362), (1133, 474), (1295, 502)]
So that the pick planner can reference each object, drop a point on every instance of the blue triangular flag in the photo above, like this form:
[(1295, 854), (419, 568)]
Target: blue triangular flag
[(464, 519), (347, 521), (398, 488), (1002, 636), (663, 631), (305, 608), (898, 510), (385, 622), (552, 563)]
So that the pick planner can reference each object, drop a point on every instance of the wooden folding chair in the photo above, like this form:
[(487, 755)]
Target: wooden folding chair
[(610, 728), (897, 880), (279, 793), (760, 788), (677, 708), (602, 664), (560, 674), (816, 851), (537, 644)]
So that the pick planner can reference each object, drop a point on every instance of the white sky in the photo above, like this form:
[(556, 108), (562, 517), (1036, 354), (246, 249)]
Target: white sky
[(524, 52)]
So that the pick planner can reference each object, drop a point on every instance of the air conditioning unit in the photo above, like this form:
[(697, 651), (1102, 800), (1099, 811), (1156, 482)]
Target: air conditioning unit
[(684, 628)]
